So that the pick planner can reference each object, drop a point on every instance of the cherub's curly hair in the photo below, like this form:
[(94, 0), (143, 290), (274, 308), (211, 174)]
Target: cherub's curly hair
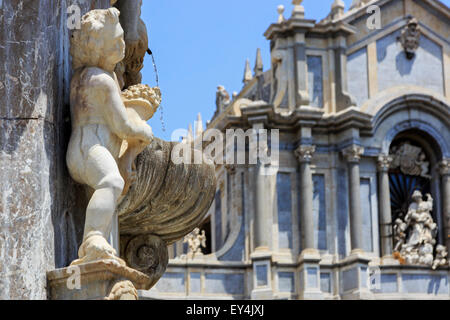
[(86, 44)]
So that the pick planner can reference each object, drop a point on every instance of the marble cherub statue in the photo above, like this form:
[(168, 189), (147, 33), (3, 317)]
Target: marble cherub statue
[(195, 241), (441, 257), (101, 122)]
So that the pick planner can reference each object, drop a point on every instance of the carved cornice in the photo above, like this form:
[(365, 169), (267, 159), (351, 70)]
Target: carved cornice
[(353, 153), (444, 167), (304, 153), (384, 162)]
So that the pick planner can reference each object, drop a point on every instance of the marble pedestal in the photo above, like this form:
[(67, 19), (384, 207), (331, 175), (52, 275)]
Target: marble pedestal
[(355, 277), (99, 280), (310, 275), (262, 274)]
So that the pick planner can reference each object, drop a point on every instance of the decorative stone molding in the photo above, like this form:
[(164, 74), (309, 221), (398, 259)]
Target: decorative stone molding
[(384, 162), (353, 153), (99, 280), (444, 167), (304, 153), (411, 160), (410, 38)]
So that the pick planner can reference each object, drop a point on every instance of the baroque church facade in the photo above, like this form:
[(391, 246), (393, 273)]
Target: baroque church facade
[(359, 205)]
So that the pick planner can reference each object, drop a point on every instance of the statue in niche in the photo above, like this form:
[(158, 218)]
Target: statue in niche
[(195, 241), (411, 160), (102, 121), (410, 38), (416, 234)]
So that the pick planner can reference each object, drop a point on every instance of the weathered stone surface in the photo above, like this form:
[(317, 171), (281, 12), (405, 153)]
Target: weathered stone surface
[(104, 279), (26, 205), (168, 200), (39, 203)]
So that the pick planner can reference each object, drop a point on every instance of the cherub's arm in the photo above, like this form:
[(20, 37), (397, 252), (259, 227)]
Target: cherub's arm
[(115, 114)]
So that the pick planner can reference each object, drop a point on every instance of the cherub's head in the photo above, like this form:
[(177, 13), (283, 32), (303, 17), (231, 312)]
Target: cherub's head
[(99, 42), (417, 196)]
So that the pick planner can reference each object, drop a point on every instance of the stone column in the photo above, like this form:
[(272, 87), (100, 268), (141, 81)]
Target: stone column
[(445, 177), (262, 210), (309, 268), (304, 154), (384, 197), (352, 155)]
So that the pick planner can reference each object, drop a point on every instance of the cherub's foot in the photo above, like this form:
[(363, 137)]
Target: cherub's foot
[(96, 248)]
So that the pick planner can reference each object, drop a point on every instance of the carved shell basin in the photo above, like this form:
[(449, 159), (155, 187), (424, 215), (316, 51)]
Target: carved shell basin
[(167, 200)]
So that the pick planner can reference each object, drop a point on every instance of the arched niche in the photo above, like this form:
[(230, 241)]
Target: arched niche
[(416, 155)]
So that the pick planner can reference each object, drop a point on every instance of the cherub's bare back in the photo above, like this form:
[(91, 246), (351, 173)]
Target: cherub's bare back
[(89, 126)]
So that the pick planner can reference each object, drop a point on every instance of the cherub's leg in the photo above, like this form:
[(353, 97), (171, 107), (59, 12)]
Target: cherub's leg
[(102, 174)]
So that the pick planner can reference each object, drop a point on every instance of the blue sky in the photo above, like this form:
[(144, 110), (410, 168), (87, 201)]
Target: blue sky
[(199, 44)]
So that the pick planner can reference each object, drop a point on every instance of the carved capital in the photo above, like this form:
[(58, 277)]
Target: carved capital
[(444, 167), (384, 162), (304, 153), (353, 153)]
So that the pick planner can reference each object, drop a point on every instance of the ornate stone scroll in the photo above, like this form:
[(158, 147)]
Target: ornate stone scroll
[(146, 253), (411, 160), (410, 38), (280, 76)]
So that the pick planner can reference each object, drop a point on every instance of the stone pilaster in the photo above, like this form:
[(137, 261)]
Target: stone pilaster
[(445, 183), (352, 155), (384, 197)]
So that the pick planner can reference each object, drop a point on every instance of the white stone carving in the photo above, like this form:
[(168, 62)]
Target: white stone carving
[(411, 160), (441, 257), (222, 98), (410, 38), (195, 241), (100, 123), (416, 235)]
